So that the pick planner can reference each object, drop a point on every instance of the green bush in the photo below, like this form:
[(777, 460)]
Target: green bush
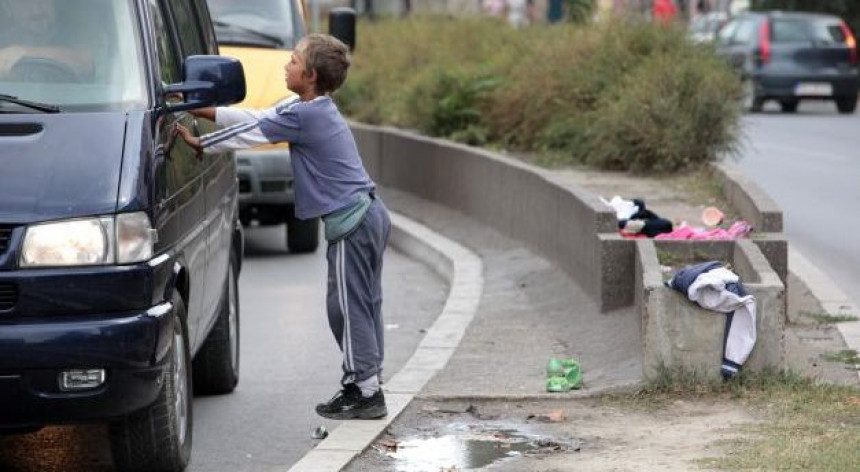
[(632, 96)]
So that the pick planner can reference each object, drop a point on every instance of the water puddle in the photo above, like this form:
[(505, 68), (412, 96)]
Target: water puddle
[(469, 448)]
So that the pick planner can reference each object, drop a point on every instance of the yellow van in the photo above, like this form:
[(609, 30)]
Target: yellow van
[(262, 34)]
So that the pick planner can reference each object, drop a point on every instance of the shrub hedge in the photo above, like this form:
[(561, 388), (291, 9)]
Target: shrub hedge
[(621, 96)]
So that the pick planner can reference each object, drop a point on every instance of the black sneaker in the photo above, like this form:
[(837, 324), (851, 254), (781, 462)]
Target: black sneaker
[(348, 404)]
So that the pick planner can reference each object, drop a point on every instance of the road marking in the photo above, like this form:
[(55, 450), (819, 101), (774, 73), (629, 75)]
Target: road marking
[(831, 298)]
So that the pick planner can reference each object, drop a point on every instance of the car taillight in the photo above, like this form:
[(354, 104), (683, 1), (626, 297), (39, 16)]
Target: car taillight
[(850, 41), (764, 42)]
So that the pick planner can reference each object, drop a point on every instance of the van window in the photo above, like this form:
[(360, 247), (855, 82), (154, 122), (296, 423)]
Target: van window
[(167, 60), (81, 55), (261, 23), (188, 27)]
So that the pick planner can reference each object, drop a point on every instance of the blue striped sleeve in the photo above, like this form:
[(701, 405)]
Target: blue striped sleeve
[(282, 124)]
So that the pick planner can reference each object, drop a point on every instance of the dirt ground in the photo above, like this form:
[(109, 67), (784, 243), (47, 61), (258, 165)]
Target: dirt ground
[(573, 435)]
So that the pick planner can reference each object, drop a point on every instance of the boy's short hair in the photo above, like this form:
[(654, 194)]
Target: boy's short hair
[(328, 57)]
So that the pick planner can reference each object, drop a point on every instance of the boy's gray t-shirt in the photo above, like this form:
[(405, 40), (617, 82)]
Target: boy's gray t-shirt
[(327, 169)]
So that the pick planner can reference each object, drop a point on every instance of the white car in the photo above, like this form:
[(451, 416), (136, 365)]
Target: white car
[(705, 27)]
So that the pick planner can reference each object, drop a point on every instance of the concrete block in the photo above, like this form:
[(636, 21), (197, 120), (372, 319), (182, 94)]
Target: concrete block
[(617, 271), (677, 333), (774, 246)]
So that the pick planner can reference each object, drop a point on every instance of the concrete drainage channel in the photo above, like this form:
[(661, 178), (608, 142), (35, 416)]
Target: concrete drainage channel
[(464, 270)]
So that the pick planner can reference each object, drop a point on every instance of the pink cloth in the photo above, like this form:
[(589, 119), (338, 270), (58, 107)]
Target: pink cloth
[(737, 231)]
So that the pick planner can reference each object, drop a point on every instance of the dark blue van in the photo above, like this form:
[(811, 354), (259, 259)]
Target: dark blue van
[(120, 247)]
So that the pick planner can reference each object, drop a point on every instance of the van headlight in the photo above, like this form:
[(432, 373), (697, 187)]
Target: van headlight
[(122, 239)]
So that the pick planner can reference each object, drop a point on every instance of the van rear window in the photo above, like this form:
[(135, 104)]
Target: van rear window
[(807, 31), (791, 31)]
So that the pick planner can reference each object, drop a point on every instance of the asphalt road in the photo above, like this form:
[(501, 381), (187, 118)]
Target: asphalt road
[(810, 164), (289, 362)]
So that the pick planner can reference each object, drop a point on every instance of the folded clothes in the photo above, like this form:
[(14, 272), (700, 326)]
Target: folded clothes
[(634, 219)]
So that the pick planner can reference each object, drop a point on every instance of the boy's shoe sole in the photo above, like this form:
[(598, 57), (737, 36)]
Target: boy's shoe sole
[(372, 413)]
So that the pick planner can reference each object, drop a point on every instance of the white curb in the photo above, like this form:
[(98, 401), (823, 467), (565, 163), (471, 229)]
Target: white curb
[(832, 299), (464, 270)]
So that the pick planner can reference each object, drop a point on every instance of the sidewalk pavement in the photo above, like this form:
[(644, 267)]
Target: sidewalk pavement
[(530, 311)]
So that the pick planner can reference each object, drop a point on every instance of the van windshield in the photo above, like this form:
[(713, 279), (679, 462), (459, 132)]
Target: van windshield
[(261, 23), (80, 55)]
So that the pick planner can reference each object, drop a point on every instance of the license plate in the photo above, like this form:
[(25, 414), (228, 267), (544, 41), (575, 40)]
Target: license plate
[(813, 89)]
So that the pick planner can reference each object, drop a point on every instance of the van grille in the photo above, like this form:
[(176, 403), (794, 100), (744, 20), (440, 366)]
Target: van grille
[(5, 237), (8, 296), (269, 186)]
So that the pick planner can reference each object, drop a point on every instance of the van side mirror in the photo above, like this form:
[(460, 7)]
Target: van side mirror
[(341, 25), (208, 81)]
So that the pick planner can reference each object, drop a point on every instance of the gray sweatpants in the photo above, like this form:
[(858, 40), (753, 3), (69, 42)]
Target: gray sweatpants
[(355, 294)]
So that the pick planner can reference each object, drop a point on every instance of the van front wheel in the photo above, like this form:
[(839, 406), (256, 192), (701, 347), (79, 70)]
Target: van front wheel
[(216, 366), (158, 437), (846, 105)]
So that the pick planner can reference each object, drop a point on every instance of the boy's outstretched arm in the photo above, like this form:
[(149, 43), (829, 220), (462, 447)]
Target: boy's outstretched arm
[(206, 113), (241, 136), (269, 127)]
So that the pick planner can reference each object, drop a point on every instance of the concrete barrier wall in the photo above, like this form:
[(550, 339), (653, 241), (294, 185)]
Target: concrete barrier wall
[(749, 200), (565, 224), (754, 205)]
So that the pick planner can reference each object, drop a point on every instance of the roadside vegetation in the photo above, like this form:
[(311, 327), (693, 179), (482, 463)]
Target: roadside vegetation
[(804, 424), (616, 96)]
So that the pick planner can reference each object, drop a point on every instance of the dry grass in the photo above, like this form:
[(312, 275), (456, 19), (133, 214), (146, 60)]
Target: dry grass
[(805, 425)]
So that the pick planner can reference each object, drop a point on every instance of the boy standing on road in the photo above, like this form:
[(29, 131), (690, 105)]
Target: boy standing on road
[(330, 182)]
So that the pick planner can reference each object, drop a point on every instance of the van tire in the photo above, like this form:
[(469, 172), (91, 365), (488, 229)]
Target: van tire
[(302, 235), (789, 105), (846, 105), (156, 438), (216, 366)]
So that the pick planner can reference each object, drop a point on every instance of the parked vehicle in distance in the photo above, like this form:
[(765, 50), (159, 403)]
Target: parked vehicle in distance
[(705, 27), (120, 246), (789, 57)]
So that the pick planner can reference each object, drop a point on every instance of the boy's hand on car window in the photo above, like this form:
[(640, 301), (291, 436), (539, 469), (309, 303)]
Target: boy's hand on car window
[(186, 135)]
